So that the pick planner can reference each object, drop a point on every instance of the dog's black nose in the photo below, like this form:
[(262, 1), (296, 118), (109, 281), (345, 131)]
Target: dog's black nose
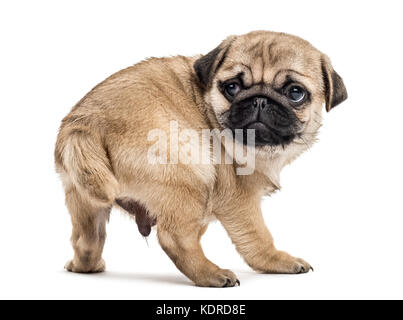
[(260, 102)]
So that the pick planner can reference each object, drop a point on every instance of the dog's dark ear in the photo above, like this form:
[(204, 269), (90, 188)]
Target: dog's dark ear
[(208, 65), (335, 91)]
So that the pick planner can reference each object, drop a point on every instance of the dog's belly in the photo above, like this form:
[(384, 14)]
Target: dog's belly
[(143, 218)]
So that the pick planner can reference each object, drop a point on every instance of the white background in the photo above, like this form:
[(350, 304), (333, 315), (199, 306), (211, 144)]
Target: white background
[(340, 207)]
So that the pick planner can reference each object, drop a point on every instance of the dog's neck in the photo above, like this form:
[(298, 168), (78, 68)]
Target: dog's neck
[(269, 163)]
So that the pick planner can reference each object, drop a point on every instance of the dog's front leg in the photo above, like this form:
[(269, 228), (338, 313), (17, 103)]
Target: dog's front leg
[(245, 225), (180, 227), (183, 247)]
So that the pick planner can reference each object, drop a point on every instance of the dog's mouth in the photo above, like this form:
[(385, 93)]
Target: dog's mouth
[(266, 135), (257, 125), (274, 123)]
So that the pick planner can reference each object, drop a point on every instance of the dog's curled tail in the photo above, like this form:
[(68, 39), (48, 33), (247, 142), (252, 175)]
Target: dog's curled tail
[(83, 163)]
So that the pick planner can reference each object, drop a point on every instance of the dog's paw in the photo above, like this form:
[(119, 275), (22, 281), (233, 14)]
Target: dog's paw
[(219, 279), (282, 262), (302, 266), (97, 268)]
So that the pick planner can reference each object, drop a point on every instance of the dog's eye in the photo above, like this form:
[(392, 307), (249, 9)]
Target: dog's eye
[(232, 88), (296, 94)]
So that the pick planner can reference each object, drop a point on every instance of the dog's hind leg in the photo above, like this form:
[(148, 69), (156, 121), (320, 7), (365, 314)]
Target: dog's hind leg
[(90, 188), (88, 237)]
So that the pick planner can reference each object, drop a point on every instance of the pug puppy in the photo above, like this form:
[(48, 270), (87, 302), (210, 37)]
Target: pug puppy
[(271, 83)]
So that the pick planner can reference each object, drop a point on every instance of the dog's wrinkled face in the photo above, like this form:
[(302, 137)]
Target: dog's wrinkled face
[(268, 111), (271, 82)]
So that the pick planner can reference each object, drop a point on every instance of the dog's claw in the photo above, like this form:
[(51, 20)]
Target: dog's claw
[(230, 283), (227, 283)]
